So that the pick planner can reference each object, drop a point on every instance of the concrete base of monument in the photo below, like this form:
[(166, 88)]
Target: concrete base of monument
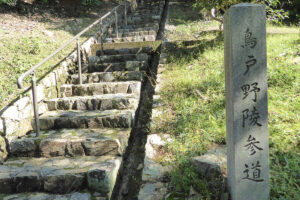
[(212, 167)]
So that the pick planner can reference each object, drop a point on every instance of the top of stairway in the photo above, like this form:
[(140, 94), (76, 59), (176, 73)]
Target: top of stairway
[(125, 45)]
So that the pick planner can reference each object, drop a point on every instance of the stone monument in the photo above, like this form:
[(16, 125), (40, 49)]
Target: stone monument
[(246, 102)]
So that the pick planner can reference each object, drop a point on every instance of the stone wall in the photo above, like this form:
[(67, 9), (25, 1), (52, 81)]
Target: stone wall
[(16, 119)]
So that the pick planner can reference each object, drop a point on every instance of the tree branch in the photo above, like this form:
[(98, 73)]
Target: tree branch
[(212, 13)]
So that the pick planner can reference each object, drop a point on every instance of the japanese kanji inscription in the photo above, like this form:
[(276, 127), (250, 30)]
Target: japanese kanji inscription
[(246, 102)]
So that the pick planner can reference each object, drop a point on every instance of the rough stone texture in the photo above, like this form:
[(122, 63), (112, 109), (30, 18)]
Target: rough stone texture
[(21, 110), (53, 147), (44, 196), (55, 175), (123, 58), (247, 110), (101, 102), (3, 151), (21, 103), (211, 164), (133, 50), (154, 142), (135, 66), (212, 167), (11, 126), (102, 178), (87, 119), (153, 191), (71, 142), (99, 89), (97, 77), (154, 171), (150, 38), (64, 182), (11, 113), (26, 147)]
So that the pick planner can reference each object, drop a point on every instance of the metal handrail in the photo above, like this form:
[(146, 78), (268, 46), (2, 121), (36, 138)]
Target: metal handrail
[(30, 71), (34, 68)]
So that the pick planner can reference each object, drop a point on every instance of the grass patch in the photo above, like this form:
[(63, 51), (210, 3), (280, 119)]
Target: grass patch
[(23, 46), (194, 92)]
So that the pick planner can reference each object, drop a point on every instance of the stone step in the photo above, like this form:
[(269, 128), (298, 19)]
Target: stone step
[(134, 33), (46, 196), (71, 143), (90, 89), (144, 50), (148, 11), (121, 58), (121, 66), (153, 26), (138, 38), (142, 47), (143, 19), (97, 102), (146, 6), (86, 119), (129, 28), (59, 175), (97, 77)]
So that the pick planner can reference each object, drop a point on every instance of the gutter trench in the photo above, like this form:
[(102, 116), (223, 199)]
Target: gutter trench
[(129, 179)]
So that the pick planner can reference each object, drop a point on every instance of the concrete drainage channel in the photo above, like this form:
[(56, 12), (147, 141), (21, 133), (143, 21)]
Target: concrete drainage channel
[(129, 180), (85, 131)]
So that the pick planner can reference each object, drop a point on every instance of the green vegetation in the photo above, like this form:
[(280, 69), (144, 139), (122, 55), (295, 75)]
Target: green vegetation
[(23, 46), (194, 92), (278, 11)]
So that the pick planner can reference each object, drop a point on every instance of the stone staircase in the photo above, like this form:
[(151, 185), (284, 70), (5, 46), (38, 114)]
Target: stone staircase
[(85, 132)]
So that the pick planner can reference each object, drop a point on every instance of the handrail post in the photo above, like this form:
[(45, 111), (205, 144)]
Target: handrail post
[(35, 105), (125, 12), (79, 62), (116, 15), (101, 37)]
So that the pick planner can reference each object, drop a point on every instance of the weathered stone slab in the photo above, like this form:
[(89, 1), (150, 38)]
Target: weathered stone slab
[(138, 33), (153, 45), (246, 102), (45, 196), (123, 58), (25, 147), (87, 119), (62, 182), (99, 102), (97, 77), (103, 176), (212, 167), (135, 38), (101, 88), (153, 191), (146, 50), (71, 143), (57, 175)]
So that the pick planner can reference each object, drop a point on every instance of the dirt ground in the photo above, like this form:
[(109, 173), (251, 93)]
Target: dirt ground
[(29, 17)]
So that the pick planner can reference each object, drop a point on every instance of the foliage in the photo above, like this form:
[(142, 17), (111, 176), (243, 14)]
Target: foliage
[(195, 97), (87, 3), (275, 8), (8, 2), (21, 50)]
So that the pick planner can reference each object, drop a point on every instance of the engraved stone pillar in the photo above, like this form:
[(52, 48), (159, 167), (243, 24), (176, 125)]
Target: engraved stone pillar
[(246, 102)]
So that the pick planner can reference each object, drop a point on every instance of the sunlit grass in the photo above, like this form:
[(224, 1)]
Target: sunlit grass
[(20, 51), (194, 90)]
